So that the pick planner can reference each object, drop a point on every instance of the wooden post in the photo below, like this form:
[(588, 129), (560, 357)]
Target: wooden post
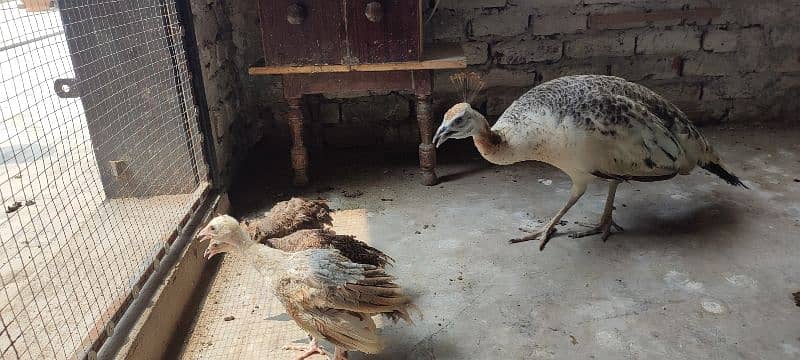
[(292, 92), (299, 151), (427, 151)]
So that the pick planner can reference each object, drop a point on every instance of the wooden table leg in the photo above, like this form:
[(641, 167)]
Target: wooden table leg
[(427, 152), (299, 151)]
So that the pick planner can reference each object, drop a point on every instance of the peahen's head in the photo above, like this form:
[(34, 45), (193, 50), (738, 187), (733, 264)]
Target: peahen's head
[(225, 235), (461, 121)]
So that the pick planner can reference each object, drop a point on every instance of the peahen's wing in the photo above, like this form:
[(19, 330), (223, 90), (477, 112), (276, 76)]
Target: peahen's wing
[(697, 148), (634, 143)]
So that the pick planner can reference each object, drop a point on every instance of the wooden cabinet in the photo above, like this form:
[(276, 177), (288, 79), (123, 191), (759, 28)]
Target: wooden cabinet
[(328, 32), (336, 46)]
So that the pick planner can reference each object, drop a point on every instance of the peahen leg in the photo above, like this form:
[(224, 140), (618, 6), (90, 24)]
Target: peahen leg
[(606, 221), (544, 233)]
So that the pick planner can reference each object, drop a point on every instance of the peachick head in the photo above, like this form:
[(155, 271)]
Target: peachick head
[(224, 235)]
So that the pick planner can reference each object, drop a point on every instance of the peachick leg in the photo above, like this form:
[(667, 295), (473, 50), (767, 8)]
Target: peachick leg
[(548, 229), (312, 349), (606, 221), (339, 354)]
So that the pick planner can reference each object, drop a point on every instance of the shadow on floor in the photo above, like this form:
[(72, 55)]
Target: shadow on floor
[(265, 175)]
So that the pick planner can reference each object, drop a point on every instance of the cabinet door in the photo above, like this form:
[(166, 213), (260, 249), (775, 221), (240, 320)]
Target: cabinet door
[(318, 39), (395, 36)]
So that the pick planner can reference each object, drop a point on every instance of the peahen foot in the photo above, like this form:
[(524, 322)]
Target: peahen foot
[(543, 235), (603, 228)]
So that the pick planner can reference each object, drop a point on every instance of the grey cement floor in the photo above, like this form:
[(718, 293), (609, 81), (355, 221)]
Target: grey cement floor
[(704, 270)]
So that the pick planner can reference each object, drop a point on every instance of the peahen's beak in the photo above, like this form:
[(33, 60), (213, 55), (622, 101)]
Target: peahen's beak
[(441, 135)]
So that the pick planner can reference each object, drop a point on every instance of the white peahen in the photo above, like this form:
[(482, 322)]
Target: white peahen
[(589, 126)]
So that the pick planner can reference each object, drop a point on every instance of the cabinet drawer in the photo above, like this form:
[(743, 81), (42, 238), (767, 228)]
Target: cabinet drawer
[(318, 38), (392, 33)]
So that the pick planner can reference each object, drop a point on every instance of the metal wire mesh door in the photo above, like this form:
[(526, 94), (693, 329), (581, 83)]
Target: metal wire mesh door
[(101, 161)]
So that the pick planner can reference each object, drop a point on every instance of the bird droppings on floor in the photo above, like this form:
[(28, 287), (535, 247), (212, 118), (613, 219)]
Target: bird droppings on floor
[(704, 277), (16, 205), (713, 307), (680, 196), (609, 339), (790, 349), (352, 193), (13, 207), (740, 280), (681, 280)]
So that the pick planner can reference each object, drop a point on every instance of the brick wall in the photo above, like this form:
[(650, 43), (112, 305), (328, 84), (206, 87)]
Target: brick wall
[(719, 60)]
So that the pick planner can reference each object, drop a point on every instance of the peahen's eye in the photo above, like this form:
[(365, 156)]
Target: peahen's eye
[(458, 121), (213, 228)]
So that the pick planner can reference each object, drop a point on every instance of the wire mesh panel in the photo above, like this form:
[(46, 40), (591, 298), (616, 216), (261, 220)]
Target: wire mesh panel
[(101, 161)]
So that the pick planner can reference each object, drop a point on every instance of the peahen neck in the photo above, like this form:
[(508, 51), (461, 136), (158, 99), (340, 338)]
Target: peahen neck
[(492, 145)]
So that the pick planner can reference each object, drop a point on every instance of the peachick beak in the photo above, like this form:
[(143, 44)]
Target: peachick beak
[(208, 254), (211, 250), (204, 235)]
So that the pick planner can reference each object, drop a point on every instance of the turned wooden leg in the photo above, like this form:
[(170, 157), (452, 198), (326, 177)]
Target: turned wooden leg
[(427, 152), (299, 151)]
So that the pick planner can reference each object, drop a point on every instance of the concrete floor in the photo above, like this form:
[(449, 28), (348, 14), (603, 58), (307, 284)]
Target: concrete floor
[(704, 270)]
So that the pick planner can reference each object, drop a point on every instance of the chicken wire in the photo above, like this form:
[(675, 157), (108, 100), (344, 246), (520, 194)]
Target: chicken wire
[(102, 161)]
